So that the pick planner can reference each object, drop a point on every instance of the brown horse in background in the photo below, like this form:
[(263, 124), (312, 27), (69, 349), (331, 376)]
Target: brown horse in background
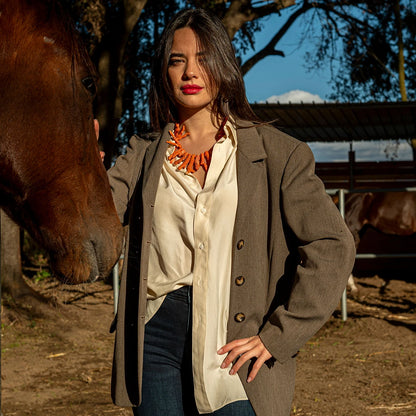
[(392, 213), (389, 212), (52, 180)]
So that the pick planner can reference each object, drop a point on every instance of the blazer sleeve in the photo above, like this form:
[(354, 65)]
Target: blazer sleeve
[(326, 251), (124, 174)]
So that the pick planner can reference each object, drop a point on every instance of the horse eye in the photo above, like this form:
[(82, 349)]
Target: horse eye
[(89, 84)]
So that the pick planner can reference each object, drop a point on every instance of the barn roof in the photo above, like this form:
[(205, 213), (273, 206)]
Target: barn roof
[(333, 122)]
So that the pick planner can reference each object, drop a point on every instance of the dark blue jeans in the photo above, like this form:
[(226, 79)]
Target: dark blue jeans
[(167, 367)]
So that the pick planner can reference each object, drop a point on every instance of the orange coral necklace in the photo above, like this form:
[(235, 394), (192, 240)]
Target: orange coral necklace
[(185, 160)]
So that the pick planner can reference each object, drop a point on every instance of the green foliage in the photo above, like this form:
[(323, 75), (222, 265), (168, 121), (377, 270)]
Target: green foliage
[(41, 274), (361, 39)]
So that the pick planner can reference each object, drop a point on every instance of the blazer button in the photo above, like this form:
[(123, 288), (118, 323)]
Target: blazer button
[(240, 244), (240, 280), (239, 317)]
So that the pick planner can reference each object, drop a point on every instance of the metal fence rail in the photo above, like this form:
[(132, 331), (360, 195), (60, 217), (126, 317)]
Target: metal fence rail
[(341, 195)]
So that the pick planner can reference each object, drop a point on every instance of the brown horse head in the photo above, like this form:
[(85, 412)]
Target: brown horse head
[(52, 181)]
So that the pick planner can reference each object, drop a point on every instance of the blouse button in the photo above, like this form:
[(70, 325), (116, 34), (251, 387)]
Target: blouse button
[(240, 280), (239, 317), (240, 244)]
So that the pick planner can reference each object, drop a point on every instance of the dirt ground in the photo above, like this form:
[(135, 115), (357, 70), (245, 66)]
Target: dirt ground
[(62, 365)]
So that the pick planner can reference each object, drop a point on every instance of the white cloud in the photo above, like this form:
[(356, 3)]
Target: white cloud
[(364, 151), (295, 96)]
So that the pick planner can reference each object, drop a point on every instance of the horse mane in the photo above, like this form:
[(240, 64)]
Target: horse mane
[(50, 19)]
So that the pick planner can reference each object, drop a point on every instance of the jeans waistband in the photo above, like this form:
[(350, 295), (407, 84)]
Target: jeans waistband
[(183, 294)]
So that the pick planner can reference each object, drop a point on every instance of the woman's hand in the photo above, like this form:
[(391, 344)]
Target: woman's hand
[(97, 134), (242, 350)]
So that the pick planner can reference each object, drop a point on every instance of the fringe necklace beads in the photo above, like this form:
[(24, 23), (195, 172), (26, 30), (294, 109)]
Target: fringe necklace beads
[(185, 160)]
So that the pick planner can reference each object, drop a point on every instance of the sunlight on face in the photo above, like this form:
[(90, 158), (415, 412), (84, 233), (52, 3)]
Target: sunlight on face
[(188, 79)]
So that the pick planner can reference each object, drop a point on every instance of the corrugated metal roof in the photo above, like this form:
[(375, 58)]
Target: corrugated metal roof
[(342, 121)]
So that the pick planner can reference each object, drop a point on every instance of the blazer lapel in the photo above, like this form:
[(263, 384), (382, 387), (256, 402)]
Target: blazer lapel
[(250, 168), (152, 167)]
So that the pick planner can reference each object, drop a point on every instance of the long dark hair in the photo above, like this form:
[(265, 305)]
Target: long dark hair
[(220, 65)]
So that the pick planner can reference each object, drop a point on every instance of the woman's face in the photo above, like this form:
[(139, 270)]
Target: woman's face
[(187, 77)]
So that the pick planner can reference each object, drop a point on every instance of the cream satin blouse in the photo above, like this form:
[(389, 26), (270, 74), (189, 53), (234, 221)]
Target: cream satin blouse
[(191, 245)]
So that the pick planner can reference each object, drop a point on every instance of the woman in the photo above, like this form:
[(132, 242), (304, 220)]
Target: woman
[(235, 254)]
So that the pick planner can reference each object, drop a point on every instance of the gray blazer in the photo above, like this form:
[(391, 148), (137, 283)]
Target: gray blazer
[(290, 244)]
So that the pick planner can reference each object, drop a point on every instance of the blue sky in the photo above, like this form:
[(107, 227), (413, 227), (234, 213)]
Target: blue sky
[(284, 79), (276, 75)]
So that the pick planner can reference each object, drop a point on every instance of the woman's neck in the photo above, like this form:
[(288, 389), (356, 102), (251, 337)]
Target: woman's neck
[(202, 131), (199, 124)]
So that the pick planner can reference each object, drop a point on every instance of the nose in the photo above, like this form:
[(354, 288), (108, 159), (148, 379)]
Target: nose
[(191, 69)]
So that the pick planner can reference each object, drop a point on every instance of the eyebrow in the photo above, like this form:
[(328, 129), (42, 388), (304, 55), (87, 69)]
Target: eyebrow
[(182, 55), (176, 55)]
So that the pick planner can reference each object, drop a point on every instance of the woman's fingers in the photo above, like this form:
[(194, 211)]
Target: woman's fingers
[(97, 128), (241, 350), (261, 359), (97, 134)]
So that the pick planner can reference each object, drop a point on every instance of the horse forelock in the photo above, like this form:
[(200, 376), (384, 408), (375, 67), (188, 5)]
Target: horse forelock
[(37, 93), (47, 21)]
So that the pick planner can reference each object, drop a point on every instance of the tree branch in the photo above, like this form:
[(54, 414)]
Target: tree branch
[(356, 22), (326, 6), (269, 49), (240, 12)]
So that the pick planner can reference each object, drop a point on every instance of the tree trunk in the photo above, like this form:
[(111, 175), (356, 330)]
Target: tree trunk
[(13, 287), (400, 57), (110, 64), (11, 267)]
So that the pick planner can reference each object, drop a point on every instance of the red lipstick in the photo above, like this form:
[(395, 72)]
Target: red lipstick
[(190, 89)]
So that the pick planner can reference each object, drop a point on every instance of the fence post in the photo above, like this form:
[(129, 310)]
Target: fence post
[(115, 286), (351, 163), (341, 196)]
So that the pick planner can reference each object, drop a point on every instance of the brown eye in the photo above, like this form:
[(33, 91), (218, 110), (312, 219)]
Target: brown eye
[(89, 84), (173, 62)]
